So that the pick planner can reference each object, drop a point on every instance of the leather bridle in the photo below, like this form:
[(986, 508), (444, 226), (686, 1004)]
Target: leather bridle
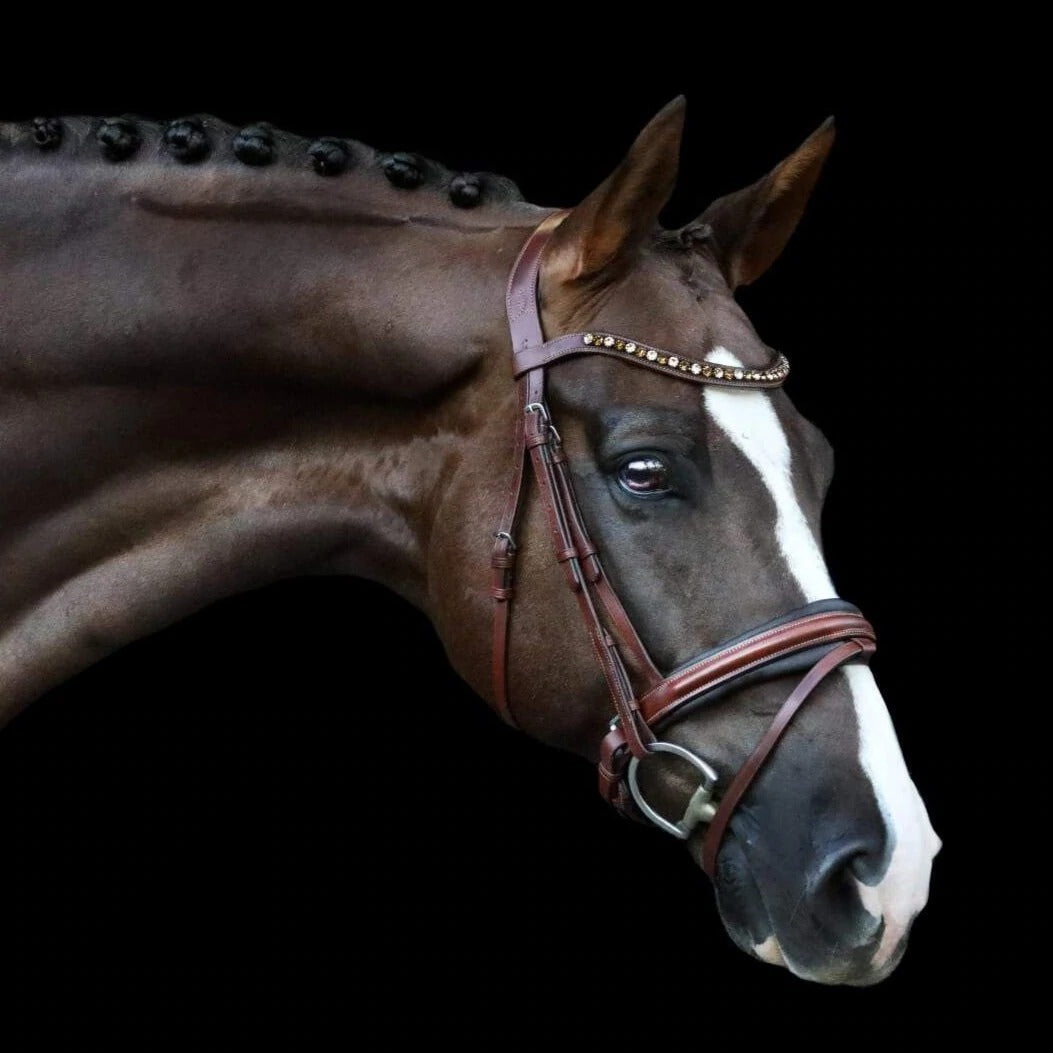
[(817, 638)]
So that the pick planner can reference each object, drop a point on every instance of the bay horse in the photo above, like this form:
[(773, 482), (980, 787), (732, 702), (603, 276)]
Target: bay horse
[(230, 356)]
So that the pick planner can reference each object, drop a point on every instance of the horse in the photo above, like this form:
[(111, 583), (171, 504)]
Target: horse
[(230, 356)]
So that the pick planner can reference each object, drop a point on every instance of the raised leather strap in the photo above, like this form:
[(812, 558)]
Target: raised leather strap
[(574, 549), (618, 620), (660, 703), (524, 318), (545, 450), (525, 329), (762, 751)]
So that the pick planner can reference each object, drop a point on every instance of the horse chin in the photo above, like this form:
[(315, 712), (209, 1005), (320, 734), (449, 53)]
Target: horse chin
[(846, 974), (742, 904), (771, 953)]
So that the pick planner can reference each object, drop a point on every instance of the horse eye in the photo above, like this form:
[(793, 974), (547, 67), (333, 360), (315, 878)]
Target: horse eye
[(645, 476)]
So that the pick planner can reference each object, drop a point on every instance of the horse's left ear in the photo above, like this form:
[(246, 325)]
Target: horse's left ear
[(599, 239), (751, 227)]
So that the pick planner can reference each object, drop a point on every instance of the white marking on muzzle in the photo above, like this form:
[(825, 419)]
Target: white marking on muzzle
[(904, 888), (769, 951), (749, 420)]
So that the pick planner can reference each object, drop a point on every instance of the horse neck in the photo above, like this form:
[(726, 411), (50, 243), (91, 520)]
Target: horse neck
[(210, 380)]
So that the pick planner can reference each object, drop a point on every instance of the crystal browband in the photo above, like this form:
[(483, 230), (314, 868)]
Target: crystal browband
[(701, 371)]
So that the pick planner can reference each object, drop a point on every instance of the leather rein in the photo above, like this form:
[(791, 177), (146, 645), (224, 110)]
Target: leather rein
[(816, 638)]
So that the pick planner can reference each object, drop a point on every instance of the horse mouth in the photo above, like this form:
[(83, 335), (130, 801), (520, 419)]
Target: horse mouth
[(815, 948), (845, 974)]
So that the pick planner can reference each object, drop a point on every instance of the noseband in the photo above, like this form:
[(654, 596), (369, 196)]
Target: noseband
[(817, 638)]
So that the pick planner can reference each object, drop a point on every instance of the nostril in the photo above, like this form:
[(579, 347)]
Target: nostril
[(862, 855), (838, 888), (849, 864), (867, 866), (838, 866)]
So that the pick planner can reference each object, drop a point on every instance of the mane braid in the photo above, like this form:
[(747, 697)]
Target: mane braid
[(201, 140)]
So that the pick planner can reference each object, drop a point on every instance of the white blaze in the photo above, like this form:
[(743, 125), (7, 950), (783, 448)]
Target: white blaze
[(749, 420)]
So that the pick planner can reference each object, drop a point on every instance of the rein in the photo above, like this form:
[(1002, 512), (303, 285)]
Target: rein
[(816, 638)]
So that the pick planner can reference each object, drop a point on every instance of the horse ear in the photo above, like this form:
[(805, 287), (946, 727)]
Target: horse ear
[(749, 228), (599, 238)]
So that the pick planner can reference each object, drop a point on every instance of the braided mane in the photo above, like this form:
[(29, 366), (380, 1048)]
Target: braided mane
[(206, 140)]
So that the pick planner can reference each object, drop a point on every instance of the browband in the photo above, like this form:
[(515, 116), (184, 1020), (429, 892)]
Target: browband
[(698, 370)]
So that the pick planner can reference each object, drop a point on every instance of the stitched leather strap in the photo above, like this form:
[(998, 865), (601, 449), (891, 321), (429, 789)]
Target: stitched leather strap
[(662, 702), (545, 450), (762, 751), (524, 325), (618, 620), (768, 646), (574, 548)]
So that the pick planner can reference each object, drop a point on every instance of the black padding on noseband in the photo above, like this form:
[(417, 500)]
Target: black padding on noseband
[(800, 661), (830, 606)]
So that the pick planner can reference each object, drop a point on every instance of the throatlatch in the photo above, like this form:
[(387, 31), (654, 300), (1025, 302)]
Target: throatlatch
[(817, 638)]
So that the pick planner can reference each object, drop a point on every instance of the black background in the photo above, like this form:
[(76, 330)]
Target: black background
[(229, 828)]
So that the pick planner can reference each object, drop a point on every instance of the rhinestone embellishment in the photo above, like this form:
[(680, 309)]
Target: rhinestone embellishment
[(702, 370)]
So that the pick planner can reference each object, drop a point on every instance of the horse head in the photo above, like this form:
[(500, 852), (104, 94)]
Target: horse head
[(705, 503)]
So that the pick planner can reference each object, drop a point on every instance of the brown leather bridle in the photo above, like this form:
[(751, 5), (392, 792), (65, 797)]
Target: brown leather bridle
[(818, 637)]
